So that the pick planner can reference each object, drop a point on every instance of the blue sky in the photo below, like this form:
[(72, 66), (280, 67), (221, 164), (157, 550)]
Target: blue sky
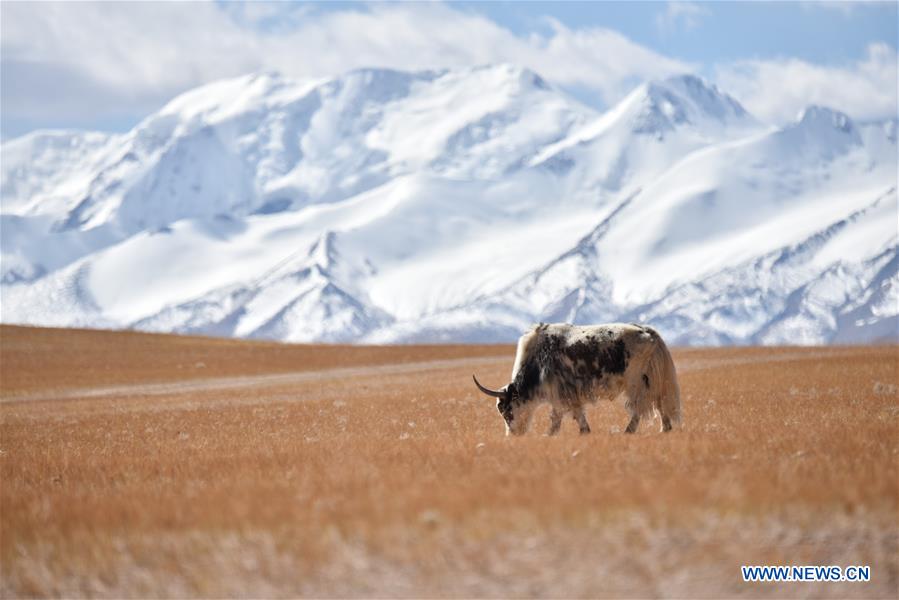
[(710, 32), (106, 65)]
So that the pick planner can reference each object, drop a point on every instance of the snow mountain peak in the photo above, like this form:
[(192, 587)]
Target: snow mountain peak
[(822, 131), (686, 100), (454, 205), (821, 117)]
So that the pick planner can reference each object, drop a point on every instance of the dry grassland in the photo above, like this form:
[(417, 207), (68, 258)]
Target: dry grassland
[(143, 465)]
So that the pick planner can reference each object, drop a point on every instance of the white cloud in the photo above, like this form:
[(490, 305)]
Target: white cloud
[(77, 58), (777, 90), (90, 62), (680, 15)]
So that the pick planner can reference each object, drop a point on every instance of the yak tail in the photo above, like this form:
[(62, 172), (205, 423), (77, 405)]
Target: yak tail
[(663, 390)]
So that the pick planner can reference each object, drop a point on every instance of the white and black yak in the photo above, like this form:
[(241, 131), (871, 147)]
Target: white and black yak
[(569, 366)]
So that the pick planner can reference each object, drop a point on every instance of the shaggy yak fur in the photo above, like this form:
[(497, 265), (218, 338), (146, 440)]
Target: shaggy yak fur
[(569, 366)]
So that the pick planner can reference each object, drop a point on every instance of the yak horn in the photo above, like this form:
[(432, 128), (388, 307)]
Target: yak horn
[(488, 391)]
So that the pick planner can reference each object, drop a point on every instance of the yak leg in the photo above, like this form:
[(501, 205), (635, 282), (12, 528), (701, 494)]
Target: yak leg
[(666, 423), (578, 414), (636, 402), (555, 421), (632, 426)]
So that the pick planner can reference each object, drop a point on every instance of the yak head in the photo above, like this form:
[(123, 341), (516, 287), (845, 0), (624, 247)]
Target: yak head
[(515, 413)]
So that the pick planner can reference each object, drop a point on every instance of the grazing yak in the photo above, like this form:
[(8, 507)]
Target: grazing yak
[(569, 366)]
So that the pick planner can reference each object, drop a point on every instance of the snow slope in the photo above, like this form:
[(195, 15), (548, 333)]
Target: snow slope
[(385, 206)]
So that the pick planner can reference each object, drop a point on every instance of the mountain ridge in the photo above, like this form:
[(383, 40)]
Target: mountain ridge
[(453, 205)]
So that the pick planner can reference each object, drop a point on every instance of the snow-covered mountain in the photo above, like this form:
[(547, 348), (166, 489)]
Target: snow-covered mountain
[(384, 206)]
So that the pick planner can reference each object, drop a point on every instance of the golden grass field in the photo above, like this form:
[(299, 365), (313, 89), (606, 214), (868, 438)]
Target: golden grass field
[(139, 465)]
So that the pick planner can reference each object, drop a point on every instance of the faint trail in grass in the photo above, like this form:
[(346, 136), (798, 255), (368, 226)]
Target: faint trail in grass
[(684, 365), (251, 381)]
